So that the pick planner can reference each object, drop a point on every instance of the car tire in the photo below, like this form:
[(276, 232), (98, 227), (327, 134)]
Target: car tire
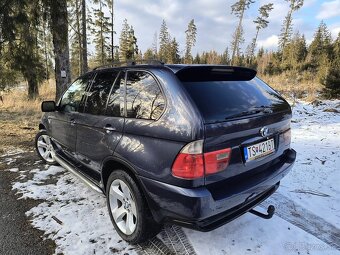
[(128, 209), (44, 147)]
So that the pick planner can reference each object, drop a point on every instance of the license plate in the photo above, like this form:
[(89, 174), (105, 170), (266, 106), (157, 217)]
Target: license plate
[(259, 150)]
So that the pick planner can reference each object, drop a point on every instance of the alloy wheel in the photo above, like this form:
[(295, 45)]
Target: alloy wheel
[(123, 206), (45, 148)]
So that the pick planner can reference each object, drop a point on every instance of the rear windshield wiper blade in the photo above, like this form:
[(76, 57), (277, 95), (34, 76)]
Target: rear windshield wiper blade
[(253, 111)]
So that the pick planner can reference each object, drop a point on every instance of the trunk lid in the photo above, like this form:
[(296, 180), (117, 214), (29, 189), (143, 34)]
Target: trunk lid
[(235, 105)]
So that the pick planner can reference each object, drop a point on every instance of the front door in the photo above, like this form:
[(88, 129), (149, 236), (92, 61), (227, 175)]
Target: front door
[(63, 121)]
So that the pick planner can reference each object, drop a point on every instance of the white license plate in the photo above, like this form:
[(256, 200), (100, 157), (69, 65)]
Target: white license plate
[(259, 150)]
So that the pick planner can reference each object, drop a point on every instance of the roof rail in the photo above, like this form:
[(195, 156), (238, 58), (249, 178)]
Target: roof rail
[(131, 63)]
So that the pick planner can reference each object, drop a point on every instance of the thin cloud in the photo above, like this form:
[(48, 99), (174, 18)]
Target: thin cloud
[(329, 10), (270, 42)]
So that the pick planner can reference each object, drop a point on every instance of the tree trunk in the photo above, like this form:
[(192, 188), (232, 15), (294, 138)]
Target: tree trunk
[(33, 91), (84, 38), (289, 22), (59, 27), (102, 39), (79, 38), (237, 38), (112, 32)]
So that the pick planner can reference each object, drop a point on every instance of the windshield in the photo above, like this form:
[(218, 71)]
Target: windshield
[(221, 100)]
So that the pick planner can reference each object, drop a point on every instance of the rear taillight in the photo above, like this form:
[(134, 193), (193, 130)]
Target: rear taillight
[(189, 162), (192, 163), (216, 161)]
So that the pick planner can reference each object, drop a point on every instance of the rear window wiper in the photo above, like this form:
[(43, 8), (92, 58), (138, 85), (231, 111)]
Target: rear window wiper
[(252, 111)]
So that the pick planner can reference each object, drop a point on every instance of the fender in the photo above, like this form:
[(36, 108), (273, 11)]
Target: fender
[(154, 208)]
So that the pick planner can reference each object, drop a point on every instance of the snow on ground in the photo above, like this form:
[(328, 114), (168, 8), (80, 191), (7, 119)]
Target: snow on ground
[(252, 235), (77, 219), (316, 138)]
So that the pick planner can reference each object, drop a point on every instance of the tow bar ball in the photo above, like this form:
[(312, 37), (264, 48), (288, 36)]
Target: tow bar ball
[(270, 212)]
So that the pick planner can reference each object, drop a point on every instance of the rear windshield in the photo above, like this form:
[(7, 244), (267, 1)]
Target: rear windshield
[(220, 100)]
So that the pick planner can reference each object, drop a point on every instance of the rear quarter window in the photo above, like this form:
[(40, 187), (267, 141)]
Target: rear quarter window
[(144, 98)]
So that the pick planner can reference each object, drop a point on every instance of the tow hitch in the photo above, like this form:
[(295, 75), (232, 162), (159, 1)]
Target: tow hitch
[(270, 212)]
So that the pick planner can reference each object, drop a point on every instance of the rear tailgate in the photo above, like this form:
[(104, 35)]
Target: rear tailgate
[(226, 98)]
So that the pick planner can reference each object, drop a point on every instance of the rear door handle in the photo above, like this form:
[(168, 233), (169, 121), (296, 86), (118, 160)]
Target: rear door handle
[(109, 128)]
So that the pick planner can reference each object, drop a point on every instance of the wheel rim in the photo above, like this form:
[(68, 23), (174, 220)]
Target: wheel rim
[(123, 207), (45, 148)]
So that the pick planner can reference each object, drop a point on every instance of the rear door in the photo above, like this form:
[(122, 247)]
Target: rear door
[(142, 141), (63, 121), (100, 126)]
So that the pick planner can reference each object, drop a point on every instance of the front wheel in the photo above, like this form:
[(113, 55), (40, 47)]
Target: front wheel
[(44, 147), (128, 210)]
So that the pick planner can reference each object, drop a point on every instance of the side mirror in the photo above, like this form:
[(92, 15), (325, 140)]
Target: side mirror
[(48, 106)]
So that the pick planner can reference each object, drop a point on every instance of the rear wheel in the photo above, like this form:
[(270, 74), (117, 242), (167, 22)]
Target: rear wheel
[(44, 147), (128, 210)]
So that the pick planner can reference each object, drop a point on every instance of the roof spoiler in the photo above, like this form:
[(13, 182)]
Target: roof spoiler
[(215, 73)]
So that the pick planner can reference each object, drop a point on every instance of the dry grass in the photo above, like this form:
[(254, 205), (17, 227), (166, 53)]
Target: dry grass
[(16, 100), (19, 117), (295, 86)]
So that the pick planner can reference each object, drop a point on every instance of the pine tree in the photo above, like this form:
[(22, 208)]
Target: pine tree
[(331, 80), (336, 47), (124, 41), (20, 21), (8, 75), (149, 54), (237, 40), (132, 45), (101, 31), (164, 43), (174, 52), (212, 57), (116, 54), (238, 9), (127, 43), (261, 23), (287, 29), (225, 59), (190, 40), (295, 53), (155, 46), (197, 59), (320, 50)]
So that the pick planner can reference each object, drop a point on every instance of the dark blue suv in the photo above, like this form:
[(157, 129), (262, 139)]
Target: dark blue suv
[(194, 145)]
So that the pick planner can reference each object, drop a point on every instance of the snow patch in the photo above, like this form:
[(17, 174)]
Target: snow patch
[(13, 170), (72, 215)]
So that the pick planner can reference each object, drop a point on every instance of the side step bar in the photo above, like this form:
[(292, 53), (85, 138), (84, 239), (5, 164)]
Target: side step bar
[(69, 168)]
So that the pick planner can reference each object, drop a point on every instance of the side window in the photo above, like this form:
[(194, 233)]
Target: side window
[(115, 106), (98, 94), (74, 94), (144, 99)]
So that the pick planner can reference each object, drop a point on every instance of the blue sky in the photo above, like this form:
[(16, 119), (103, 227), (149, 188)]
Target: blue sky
[(215, 23)]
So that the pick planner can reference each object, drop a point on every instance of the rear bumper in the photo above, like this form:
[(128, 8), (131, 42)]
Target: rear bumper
[(197, 208)]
